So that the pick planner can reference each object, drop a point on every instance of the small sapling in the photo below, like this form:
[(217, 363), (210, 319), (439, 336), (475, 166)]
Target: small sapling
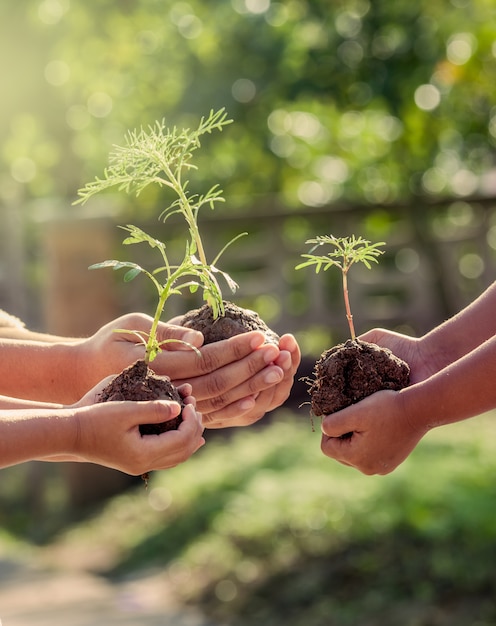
[(164, 156), (348, 372), (345, 252)]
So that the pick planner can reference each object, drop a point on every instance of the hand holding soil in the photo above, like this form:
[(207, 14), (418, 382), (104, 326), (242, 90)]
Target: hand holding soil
[(113, 348), (382, 436), (452, 379), (246, 378), (109, 434), (349, 372)]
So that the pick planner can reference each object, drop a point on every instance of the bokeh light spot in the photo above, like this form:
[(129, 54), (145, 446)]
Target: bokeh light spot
[(427, 97)]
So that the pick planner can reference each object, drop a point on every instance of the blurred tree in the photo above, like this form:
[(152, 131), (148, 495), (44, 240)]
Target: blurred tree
[(353, 100)]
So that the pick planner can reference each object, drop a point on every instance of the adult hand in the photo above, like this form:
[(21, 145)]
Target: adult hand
[(239, 379)]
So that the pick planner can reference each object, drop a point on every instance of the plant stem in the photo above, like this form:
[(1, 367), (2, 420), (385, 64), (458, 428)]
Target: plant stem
[(176, 184), (156, 318), (349, 316), (193, 226)]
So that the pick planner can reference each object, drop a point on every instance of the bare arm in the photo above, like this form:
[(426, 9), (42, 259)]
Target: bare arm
[(38, 371), (463, 389), (106, 434), (235, 381), (462, 333)]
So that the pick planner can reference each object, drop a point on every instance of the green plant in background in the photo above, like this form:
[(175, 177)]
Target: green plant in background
[(346, 251), (162, 156)]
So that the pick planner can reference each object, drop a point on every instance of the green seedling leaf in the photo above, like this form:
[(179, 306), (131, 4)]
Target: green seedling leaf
[(131, 275), (230, 282), (344, 252), (163, 156), (115, 265)]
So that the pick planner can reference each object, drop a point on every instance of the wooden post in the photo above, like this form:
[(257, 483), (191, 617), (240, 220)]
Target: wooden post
[(77, 301)]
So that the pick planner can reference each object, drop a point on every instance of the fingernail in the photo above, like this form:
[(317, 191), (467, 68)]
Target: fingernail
[(247, 404), (273, 376), (271, 354), (191, 336), (256, 341)]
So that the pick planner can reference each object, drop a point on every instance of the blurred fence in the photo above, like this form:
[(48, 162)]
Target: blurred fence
[(438, 257)]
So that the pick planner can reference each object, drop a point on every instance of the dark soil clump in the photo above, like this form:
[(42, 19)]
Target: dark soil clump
[(349, 372), (138, 382), (235, 321)]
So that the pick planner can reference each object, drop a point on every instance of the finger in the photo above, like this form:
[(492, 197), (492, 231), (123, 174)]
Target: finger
[(190, 400), (92, 396), (173, 337), (222, 403), (242, 413), (240, 378), (338, 424), (289, 343), (284, 360), (155, 411), (192, 420), (175, 446), (185, 365), (185, 390), (251, 408), (337, 449)]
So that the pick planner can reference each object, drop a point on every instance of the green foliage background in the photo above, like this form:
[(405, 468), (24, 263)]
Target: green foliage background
[(325, 95)]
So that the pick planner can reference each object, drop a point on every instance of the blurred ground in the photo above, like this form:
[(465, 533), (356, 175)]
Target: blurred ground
[(33, 596)]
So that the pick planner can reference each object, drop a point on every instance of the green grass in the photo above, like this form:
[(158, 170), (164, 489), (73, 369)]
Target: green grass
[(260, 528)]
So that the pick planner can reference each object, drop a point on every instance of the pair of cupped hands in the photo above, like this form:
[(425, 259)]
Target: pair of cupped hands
[(229, 383)]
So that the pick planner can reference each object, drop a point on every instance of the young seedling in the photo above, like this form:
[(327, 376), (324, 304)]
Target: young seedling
[(348, 372), (345, 252), (162, 156), (177, 278)]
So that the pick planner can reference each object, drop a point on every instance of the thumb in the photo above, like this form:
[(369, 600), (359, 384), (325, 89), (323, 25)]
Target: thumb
[(155, 411), (91, 396), (175, 337), (340, 423)]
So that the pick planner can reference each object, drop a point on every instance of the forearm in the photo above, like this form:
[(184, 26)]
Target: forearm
[(25, 334), (464, 389), (8, 402), (462, 333), (38, 371), (35, 433)]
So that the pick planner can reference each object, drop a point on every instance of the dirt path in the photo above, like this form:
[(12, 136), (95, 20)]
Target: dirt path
[(32, 596)]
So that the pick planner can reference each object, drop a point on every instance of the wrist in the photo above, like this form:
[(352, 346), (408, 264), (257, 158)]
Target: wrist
[(67, 375), (417, 408)]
